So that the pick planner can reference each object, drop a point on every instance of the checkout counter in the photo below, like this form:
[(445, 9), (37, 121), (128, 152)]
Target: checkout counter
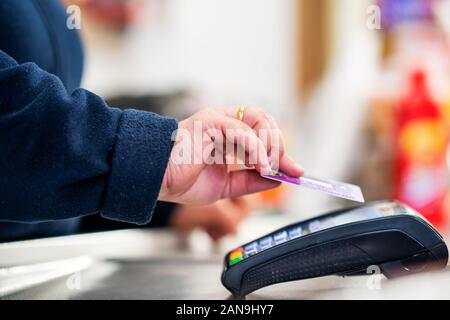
[(158, 264)]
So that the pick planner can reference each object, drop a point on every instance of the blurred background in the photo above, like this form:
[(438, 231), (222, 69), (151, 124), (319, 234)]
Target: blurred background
[(361, 88)]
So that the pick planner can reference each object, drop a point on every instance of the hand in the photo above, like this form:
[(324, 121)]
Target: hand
[(195, 173), (218, 219)]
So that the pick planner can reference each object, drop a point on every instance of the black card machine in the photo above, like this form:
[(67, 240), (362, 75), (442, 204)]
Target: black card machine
[(345, 242)]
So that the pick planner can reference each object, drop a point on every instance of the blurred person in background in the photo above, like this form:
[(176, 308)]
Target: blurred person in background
[(66, 154)]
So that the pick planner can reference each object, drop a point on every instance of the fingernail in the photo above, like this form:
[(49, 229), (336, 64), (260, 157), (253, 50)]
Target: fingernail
[(299, 167), (266, 170)]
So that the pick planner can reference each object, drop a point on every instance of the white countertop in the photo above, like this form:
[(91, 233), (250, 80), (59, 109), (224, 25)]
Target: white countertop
[(157, 264)]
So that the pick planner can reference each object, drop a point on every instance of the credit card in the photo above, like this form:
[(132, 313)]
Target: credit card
[(334, 188)]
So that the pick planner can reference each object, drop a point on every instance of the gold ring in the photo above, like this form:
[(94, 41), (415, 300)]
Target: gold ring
[(240, 113)]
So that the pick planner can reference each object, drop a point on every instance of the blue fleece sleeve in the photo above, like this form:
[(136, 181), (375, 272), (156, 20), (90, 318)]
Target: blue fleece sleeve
[(68, 155)]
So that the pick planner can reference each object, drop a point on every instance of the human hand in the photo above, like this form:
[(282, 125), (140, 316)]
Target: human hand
[(211, 140), (218, 219)]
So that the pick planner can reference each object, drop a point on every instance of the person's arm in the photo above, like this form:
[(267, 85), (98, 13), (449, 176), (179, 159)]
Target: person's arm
[(66, 155), (161, 217)]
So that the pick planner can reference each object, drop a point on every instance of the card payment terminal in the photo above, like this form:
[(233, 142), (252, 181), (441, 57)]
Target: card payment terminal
[(344, 242)]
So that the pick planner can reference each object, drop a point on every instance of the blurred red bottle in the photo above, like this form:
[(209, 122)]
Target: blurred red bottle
[(420, 177)]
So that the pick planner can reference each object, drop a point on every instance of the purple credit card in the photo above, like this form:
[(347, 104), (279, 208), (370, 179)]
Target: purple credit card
[(334, 188)]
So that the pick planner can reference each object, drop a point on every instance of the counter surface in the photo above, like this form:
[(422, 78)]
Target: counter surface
[(134, 264)]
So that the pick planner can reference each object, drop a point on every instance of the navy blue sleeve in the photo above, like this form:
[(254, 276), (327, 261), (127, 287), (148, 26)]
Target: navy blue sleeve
[(68, 155)]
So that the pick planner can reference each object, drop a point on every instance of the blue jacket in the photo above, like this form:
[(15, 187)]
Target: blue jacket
[(64, 153)]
